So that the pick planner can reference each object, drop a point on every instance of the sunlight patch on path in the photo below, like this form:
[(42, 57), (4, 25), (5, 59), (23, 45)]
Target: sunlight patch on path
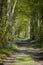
[(23, 59)]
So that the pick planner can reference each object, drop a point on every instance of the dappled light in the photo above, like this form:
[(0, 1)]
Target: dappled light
[(21, 32)]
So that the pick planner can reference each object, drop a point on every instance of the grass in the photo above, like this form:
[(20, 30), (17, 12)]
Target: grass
[(25, 63), (42, 49), (23, 59), (31, 49), (6, 51)]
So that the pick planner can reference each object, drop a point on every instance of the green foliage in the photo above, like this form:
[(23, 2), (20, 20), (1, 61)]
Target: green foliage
[(23, 20), (2, 29), (25, 11), (22, 7)]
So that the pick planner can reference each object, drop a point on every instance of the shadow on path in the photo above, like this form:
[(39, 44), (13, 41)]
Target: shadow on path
[(25, 55)]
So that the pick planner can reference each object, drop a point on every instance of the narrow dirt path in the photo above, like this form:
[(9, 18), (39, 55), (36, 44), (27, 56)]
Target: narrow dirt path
[(24, 55)]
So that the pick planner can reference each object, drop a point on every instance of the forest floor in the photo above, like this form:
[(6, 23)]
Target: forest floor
[(24, 55)]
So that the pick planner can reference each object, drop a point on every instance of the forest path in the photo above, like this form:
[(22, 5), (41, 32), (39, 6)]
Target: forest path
[(24, 55)]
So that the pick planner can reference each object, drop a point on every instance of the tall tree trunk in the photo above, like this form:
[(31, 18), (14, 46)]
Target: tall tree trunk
[(41, 22), (1, 8), (32, 23), (8, 9), (13, 10), (34, 20)]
